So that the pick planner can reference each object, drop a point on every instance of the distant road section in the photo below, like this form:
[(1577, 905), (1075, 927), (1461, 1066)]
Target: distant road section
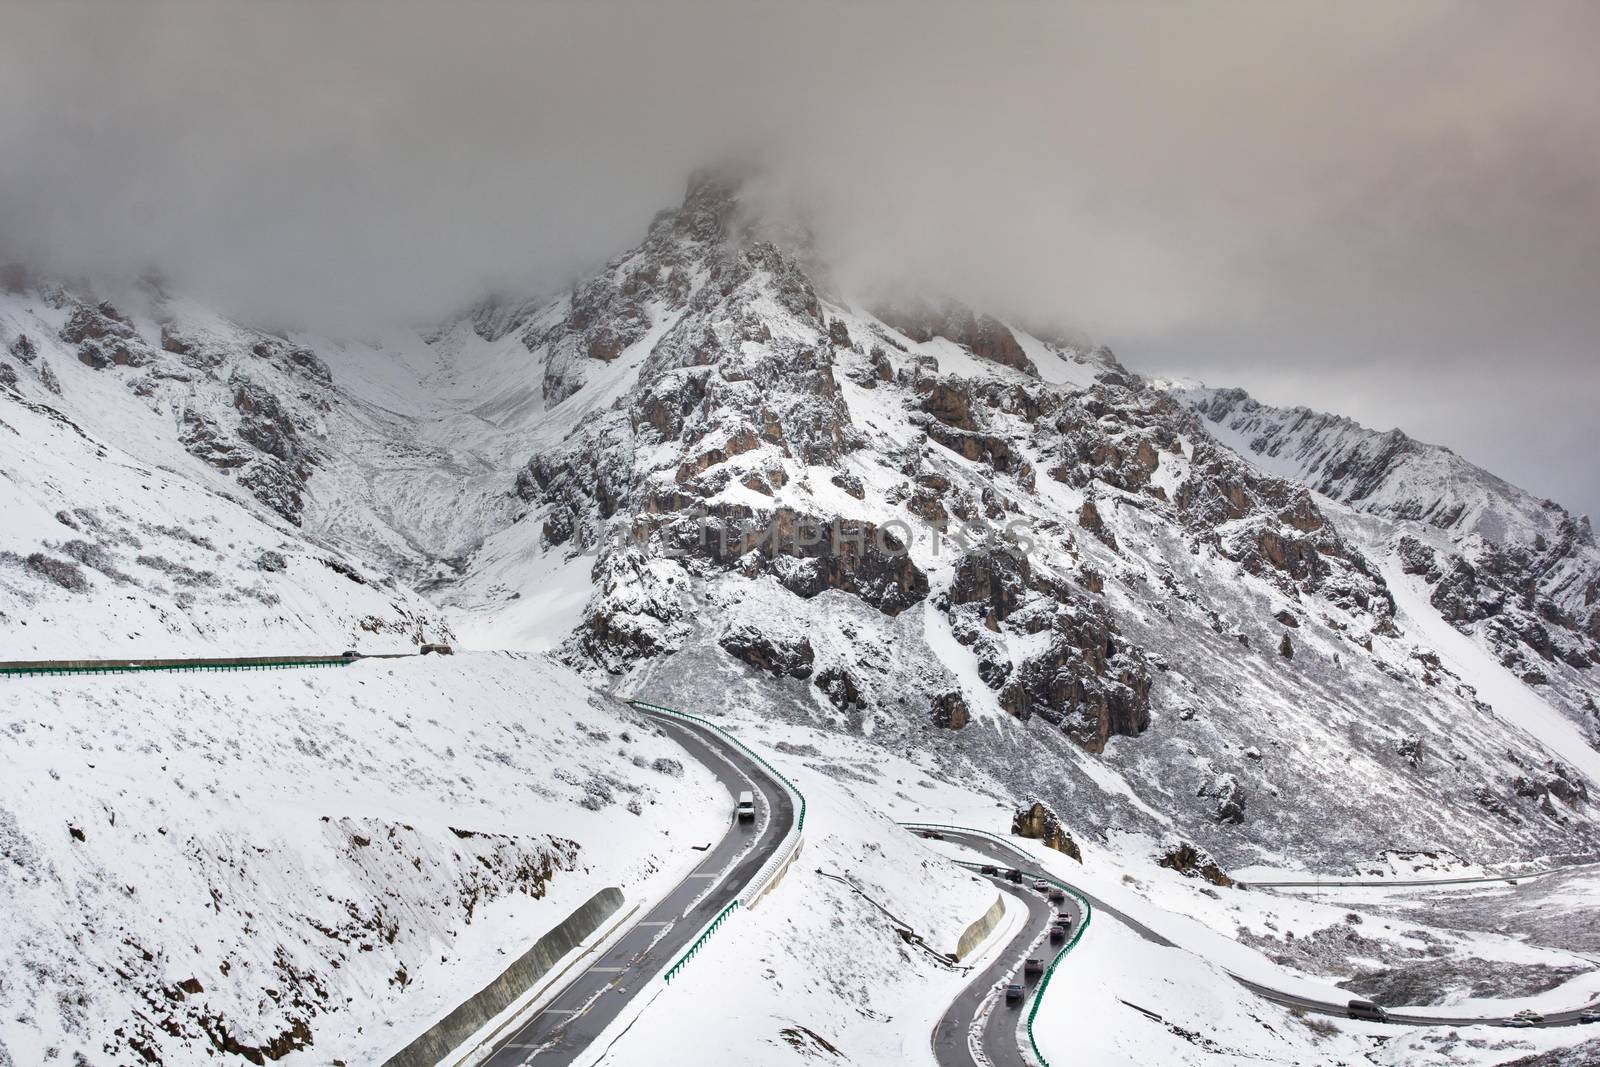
[(199, 663), (1401, 883), (1008, 856)]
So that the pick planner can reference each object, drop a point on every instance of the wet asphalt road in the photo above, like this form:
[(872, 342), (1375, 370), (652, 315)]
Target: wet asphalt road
[(568, 1024)]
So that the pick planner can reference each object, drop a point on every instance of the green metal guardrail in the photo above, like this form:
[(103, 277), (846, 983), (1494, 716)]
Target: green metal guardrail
[(799, 822), (70, 667), (705, 935), (800, 816), (1088, 914)]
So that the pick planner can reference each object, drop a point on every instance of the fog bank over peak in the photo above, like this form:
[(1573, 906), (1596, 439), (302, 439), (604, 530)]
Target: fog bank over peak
[(1385, 210)]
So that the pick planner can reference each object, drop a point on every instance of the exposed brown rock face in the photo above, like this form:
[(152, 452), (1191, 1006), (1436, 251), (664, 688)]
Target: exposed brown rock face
[(1286, 647), (105, 337), (857, 558), (1039, 822), (1086, 681), (1089, 518), (951, 405), (840, 687), (95, 323), (997, 580), (1186, 859), (1229, 797), (174, 342), (983, 335), (950, 711), (776, 655)]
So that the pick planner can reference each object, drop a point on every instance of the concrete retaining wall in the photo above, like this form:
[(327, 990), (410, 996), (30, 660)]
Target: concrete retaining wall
[(478, 1010), (982, 928), (778, 876)]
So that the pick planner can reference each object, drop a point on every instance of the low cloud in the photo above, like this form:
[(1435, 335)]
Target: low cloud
[(1385, 209)]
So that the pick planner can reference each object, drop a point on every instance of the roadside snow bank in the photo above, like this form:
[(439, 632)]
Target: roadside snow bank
[(1119, 999)]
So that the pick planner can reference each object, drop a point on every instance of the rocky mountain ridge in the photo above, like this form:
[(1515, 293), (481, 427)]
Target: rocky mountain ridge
[(920, 523), (707, 472), (1518, 571)]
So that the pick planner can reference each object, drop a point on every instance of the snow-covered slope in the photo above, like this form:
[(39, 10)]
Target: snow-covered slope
[(1517, 573), (312, 864)]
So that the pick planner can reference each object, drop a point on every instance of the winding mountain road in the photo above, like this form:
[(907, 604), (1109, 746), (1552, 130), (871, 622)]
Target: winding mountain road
[(1006, 857), (564, 1028), (979, 1018)]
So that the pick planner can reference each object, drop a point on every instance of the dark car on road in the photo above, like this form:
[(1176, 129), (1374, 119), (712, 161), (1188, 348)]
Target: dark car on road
[(1057, 894), (1014, 992), (1014, 875), (989, 868), (1033, 967), (1366, 1009), (1058, 934)]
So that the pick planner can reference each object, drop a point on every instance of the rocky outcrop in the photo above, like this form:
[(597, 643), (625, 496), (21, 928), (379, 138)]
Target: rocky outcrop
[(1038, 822), (1089, 518), (206, 440), (997, 580), (983, 335), (1228, 797), (1086, 680), (950, 711), (781, 656), (840, 687), (105, 337), (1557, 781), (1193, 862)]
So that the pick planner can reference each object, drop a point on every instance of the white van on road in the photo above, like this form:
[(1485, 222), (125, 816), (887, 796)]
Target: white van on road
[(746, 810)]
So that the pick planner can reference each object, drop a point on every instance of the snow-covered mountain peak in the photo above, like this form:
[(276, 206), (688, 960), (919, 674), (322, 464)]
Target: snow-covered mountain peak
[(705, 470)]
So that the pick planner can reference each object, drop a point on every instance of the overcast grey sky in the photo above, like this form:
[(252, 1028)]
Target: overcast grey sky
[(1387, 210)]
